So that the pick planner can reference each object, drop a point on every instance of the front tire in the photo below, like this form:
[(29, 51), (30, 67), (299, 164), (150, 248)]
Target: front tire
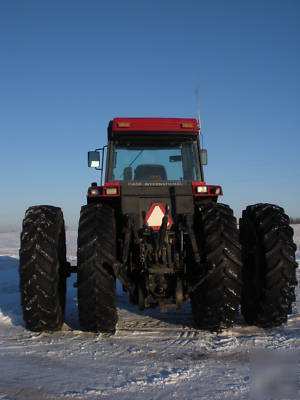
[(42, 268), (96, 280), (269, 266), (216, 302)]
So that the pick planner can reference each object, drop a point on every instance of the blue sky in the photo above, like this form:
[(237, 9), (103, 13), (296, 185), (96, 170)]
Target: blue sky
[(68, 67)]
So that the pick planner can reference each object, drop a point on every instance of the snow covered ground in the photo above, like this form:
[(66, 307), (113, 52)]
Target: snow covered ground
[(151, 356)]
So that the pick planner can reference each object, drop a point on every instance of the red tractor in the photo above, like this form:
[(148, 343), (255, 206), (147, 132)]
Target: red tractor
[(157, 226)]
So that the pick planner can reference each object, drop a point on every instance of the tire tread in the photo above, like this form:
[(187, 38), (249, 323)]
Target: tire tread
[(216, 302), (96, 281)]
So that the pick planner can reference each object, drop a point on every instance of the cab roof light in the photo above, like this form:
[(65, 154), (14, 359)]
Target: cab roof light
[(124, 124), (187, 125)]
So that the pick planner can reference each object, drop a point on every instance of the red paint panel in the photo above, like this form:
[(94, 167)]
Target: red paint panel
[(155, 124)]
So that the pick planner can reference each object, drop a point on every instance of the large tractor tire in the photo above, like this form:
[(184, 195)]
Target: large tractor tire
[(216, 299), (42, 268), (269, 266), (96, 280)]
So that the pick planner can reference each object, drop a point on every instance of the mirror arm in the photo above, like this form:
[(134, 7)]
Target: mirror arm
[(102, 163)]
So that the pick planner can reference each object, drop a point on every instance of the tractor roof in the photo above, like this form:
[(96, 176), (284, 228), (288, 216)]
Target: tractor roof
[(181, 125)]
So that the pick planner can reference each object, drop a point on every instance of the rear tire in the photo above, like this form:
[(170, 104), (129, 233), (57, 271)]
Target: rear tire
[(96, 280), (269, 266), (216, 301), (42, 268)]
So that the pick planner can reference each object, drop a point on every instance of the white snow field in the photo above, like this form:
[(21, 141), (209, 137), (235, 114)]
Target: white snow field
[(151, 356)]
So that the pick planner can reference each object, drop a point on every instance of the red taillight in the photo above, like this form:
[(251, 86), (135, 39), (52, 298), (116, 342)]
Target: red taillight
[(111, 189), (201, 189)]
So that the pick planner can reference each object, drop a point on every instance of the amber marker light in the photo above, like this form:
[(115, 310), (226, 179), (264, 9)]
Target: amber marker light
[(124, 124), (187, 125)]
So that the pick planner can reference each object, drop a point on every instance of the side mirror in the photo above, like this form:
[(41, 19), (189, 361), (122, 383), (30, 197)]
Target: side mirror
[(94, 159), (203, 156)]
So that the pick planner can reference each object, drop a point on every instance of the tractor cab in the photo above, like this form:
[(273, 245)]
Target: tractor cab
[(152, 150), (152, 160)]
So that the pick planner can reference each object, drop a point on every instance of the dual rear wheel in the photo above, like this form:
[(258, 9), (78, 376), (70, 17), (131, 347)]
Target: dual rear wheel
[(256, 270), (43, 268)]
